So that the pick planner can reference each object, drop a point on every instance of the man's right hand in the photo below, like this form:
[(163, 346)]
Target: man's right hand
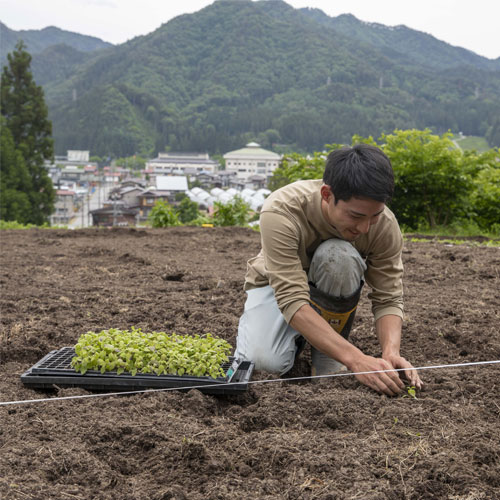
[(322, 336), (387, 383)]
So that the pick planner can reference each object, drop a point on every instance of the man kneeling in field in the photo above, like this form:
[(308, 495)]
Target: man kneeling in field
[(321, 240)]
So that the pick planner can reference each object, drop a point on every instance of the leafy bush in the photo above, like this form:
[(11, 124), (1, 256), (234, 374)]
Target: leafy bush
[(187, 210), (485, 197), (233, 213), (136, 351), (437, 184), (296, 167), (432, 184), (163, 215), (12, 224), (201, 220)]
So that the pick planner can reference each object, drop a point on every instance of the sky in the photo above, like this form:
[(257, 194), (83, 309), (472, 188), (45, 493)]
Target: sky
[(473, 25)]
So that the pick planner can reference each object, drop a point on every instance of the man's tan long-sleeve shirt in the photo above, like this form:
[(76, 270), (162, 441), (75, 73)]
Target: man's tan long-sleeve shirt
[(292, 226)]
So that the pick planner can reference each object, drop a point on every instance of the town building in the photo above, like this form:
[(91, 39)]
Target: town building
[(78, 156), (74, 167), (129, 195), (64, 207), (113, 175), (180, 164), (131, 202), (172, 183), (252, 160), (167, 187), (116, 214), (72, 173), (74, 158)]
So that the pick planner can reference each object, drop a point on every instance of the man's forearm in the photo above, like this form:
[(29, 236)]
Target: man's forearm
[(389, 334), (370, 371)]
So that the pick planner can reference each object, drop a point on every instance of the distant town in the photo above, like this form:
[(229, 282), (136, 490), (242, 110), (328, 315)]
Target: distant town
[(88, 195)]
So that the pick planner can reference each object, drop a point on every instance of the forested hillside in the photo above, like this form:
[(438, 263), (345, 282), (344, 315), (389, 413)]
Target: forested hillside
[(37, 41), (404, 44), (239, 70)]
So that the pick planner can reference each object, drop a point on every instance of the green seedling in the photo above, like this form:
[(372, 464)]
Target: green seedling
[(135, 351), (411, 392)]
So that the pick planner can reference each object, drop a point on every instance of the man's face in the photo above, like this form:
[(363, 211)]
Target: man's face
[(351, 218)]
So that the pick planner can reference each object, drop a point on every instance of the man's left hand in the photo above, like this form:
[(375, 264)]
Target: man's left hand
[(409, 371)]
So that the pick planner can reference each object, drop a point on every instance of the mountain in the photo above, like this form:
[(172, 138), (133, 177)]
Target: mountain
[(239, 70), (57, 63), (37, 41), (418, 47)]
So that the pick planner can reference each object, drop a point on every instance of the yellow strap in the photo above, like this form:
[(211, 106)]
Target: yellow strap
[(336, 320)]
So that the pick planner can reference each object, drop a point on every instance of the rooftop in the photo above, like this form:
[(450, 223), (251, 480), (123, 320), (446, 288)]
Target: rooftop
[(171, 183), (177, 160), (252, 150)]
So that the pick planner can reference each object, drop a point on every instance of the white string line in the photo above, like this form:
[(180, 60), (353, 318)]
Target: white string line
[(205, 386)]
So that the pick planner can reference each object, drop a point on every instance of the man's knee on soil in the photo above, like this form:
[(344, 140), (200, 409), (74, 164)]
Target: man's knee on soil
[(267, 360), (336, 268), (263, 334)]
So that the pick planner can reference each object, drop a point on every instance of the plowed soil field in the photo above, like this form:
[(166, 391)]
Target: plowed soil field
[(327, 439)]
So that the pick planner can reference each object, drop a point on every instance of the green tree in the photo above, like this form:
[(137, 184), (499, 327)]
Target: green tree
[(432, 185), (163, 215), (357, 139), (15, 181), (485, 189), (25, 115), (436, 183), (187, 210), (493, 133), (268, 138), (220, 160), (97, 159), (134, 162), (295, 167)]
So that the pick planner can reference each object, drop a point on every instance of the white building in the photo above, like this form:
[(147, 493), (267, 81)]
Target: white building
[(78, 156), (180, 163), (73, 166), (176, 183), (64, 208), (252, 160)]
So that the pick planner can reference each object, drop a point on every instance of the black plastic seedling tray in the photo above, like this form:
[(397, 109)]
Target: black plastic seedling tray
[(55, 370)]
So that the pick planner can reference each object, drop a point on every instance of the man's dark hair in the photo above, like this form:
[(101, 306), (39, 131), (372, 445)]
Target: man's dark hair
[(361, 171)]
